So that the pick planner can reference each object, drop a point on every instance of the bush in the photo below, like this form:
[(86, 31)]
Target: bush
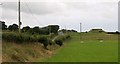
[(61, 38), (51, 35), (33, 38), (67, 36), (19, 38), (43, 39), (25, 38), (50, 41), (10, 37), (14, 37), (59, 42)]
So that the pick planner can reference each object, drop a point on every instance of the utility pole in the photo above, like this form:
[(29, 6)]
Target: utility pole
[(81, 32), (19, 17), (80, 27)]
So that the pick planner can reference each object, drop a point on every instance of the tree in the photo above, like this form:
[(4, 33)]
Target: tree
[(117, 32), (53, 29), (65, 30), (73, 30), (35, 30), (10, 27), (50, 29), (3, 25), (25, 29), (13, 27), (44, 31)]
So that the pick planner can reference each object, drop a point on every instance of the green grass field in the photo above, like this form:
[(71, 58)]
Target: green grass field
[(91, 50)]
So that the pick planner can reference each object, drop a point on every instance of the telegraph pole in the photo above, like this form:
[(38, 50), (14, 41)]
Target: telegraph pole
[(81, 32), (80, 27), (19, 17)]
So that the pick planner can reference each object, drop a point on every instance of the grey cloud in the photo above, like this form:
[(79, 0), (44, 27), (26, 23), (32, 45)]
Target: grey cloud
[(9, 14), (68, 14), (35, 7)]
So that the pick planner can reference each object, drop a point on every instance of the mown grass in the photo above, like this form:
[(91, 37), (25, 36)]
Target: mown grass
[(91, 50)]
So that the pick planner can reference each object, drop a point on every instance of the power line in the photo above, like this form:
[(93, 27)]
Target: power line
[(80, 27), (32, 13)]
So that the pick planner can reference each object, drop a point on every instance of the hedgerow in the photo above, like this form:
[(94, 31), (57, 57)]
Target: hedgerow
[(10, 37), (25, 38), (14, 37)]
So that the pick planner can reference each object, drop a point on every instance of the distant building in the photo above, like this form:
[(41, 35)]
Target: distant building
[(97, 30)]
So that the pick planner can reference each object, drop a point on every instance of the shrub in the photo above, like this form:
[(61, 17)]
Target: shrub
[(43, 39), (25, 38), (67, 36), (10, 37), (21, 37), (33, 38), (14, 37), (59, 42), (52, 35), (50, 41), (61, 38)]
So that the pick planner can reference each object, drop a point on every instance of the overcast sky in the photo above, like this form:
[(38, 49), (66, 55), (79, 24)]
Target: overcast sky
[(92, 13)]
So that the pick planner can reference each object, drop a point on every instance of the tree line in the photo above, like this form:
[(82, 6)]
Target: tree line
[(47, 35), (35, 30)]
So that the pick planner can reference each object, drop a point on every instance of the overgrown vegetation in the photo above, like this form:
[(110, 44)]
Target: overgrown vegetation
[(44, 35), (61, 38), (27, 38), (24, 52), (29, 43)]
